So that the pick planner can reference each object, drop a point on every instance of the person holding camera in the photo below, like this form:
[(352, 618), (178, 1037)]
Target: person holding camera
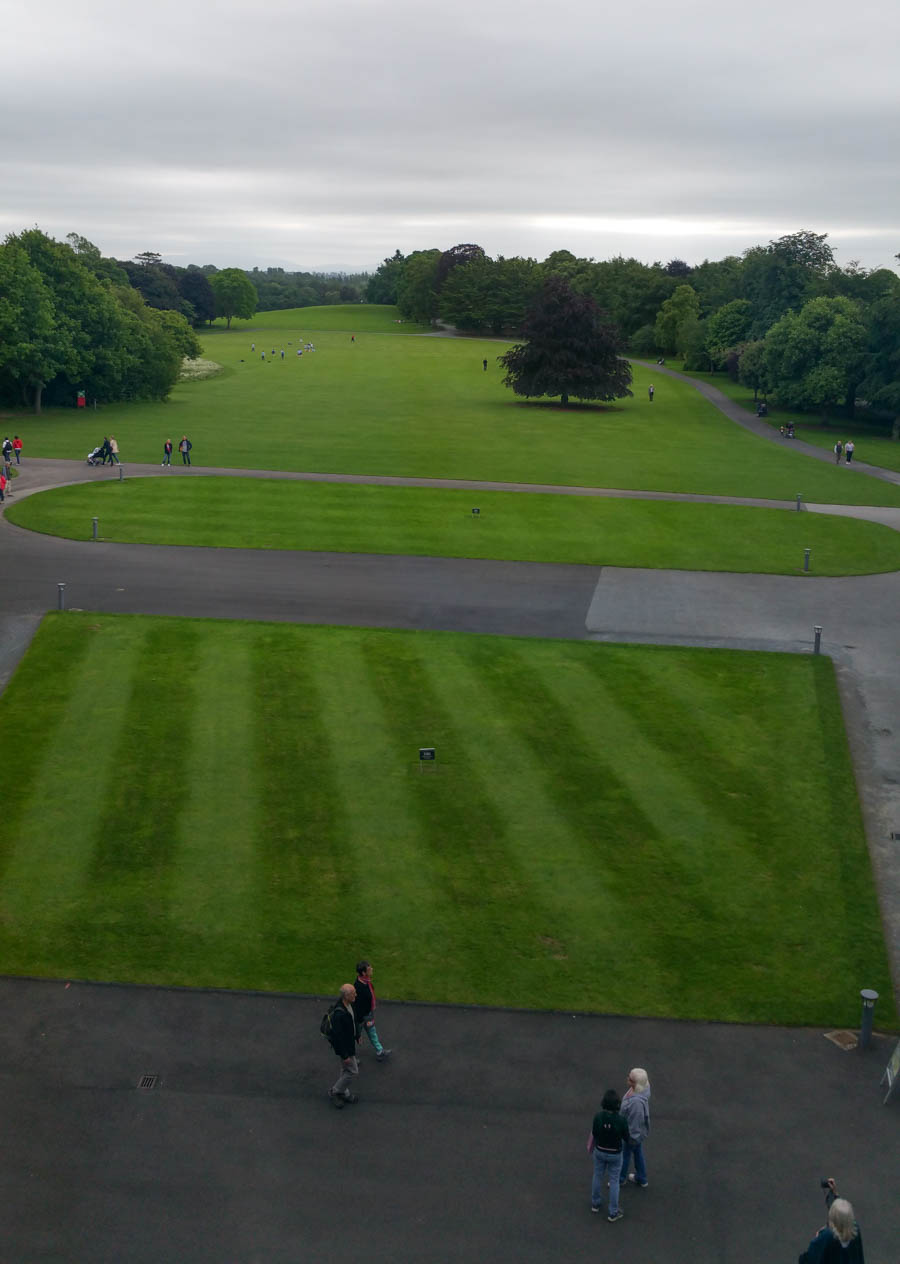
[(839, 1241)]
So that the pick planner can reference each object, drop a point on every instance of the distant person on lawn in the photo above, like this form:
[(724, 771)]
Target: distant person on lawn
[(838, 449), (184, 448), (343, 1042), (484, 365), (113, 450), (636, 1111), (609, 1132), (849, 449), (167, 452), (650, 391), (364, 1009)]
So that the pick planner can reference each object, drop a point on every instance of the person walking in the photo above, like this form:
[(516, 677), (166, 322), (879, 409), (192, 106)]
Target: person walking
[(7, 450), (364, 1009), (113, 450), (167, 452), (484, 365), (636, 1113), (343, 1041), (609, 1133), (17, 448), (650, 391), (838, 449), (839, 1241), (849, 449), (2, 486), (184, 448)]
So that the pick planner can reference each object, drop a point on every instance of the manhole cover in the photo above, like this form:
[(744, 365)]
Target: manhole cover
[(148, 1081), (843, 1039)]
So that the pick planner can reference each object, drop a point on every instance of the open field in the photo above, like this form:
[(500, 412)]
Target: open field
[(351, 318), (423, 406), (271, 514), (630, 829), (871, 445)]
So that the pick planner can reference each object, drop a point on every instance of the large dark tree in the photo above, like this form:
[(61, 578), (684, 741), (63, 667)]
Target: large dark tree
[(456, 257), (569, 349)]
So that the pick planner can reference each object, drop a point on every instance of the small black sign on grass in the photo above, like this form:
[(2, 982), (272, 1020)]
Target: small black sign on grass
[(427, 758)]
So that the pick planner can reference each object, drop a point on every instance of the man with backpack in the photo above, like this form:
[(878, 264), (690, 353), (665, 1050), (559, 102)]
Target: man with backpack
[(339, 1028)]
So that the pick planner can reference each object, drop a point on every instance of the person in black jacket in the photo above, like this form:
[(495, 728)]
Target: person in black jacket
[(364, 1009), (608, 1133), (343, 1042), (839, 1241)]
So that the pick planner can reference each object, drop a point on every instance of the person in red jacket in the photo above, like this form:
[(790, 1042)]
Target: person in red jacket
[(364, 1009), (17, 448), (2, 486)]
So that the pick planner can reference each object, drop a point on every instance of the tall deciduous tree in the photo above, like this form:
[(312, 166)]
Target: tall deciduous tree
[(32, 346), (417, 296), (815, 357), (234, 293), (569, 350), (683, 305), (729, 326)]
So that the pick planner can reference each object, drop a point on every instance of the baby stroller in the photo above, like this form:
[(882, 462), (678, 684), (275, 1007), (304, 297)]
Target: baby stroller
[(96, 457)]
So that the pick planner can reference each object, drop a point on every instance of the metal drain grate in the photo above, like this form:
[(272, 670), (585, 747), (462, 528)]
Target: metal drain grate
[(148, 1081)]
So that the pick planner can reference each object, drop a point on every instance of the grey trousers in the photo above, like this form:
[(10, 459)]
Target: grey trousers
[(341, 1086)]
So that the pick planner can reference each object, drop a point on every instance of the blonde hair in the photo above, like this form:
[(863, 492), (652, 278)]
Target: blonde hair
[(842, 1221), (639, 1076)]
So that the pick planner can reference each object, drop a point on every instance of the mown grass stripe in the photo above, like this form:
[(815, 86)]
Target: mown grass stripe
[(59, 805), (308, 899), (488, 903), (373, 775), (215, 862)]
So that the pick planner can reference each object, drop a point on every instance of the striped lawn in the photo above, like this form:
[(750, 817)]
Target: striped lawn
[(631, 829)]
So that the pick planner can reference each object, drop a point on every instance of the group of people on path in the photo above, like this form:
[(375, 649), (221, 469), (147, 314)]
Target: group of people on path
[(108, 452), (10, 446), (352, 1014), (618, 1132), (184, 447), (847, 449)]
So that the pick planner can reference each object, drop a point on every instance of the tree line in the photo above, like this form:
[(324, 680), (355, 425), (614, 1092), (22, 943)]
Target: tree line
[(783, 317)]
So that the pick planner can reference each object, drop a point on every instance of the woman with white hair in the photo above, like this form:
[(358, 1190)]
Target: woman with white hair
[(839, 1241), (636, 1110)]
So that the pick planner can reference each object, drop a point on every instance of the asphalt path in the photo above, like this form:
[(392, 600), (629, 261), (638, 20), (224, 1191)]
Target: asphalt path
[(471, 1141)]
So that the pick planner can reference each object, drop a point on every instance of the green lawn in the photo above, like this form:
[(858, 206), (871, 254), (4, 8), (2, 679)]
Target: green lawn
[(872, 445), (352, 318), (631, 829), (417, 405), (538, 527)]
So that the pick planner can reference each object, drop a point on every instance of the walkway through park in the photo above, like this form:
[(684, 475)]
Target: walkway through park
[(470, 1144)]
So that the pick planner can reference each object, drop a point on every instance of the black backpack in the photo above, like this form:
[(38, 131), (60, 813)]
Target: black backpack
[(326, 1026)]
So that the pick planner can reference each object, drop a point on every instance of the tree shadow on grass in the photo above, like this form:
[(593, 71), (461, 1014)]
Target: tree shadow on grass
[(573, 406)]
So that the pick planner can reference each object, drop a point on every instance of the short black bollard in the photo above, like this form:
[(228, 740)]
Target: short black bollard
[(869, 997), (94, 522), (806, 553), (121, 472), (799, 498), (60, 596), (817, 647)]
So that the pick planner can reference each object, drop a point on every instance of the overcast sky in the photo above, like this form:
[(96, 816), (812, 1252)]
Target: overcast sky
[(323, 134)]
